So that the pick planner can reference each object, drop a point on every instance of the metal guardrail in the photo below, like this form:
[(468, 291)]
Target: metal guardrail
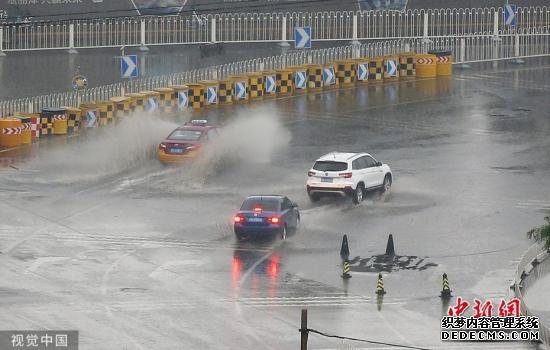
[(484, 47), (263, 27), (537, 253)]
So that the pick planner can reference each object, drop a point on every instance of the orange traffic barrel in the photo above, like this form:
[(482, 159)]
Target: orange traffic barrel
[(444, 65), (10, 132), (426, 66)]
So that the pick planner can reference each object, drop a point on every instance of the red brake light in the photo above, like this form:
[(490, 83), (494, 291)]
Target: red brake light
[(258, 209), (310, 173), (274, 220), (345, 175), (238, 219)]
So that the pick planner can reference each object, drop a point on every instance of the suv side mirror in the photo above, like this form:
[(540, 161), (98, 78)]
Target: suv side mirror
[(378, 163)]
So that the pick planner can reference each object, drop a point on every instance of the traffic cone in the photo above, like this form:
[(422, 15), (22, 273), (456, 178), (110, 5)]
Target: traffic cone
[(346, 269), (344, 250), (380, 285), (390, 249), (446, 290)]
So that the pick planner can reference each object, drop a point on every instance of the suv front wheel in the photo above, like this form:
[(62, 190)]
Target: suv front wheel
[(358, 194)]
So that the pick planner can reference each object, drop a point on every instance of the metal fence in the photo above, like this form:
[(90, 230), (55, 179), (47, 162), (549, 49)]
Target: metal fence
[(529, 43), (527, 266), (264, 27)]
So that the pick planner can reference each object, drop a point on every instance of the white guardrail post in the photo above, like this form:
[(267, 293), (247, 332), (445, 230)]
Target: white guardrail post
[(142, 46), (354, 31), (517, 53), (283, 42), (213, 30), (72, 50), (495, 26), (425, 38), (2, 53)]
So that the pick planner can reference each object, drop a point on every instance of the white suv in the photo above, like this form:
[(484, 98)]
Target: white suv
[(347, 174)]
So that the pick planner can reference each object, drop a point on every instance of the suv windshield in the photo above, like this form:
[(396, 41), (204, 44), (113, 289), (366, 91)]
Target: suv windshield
[(330, 166), (185, 135), (265, 204)]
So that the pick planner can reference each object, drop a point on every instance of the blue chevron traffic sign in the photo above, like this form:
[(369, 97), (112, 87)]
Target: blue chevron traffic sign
[(362, 71), (302, 37), (300, 80), (182, 99), (212, 95), (329, 78), (128, 66), (510, 17), (270, 84)]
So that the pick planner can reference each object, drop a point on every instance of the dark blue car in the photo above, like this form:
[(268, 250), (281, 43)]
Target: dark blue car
[(262, 216)]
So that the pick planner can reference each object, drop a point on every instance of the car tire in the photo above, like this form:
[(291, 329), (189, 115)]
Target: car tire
[(386, 185), (358, 194), (314, 197), (283, 233)]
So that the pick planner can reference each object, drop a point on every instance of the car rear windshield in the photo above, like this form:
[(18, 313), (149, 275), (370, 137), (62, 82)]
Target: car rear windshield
[(185, 135), (265, 204), (330, 166)]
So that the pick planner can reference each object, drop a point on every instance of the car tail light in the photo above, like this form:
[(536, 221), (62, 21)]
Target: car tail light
[(345, 175), (311, 173), (193, 147), (274, 220), (162, 145), (239, 219)]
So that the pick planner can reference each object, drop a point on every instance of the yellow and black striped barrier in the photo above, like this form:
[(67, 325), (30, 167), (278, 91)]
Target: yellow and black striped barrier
[(106, 111), (284, 82), (380, 285), (256, 85), (196, 95), (314, 77), (407, 65), (74, 118), (376, 69), (225, 92), (123, 106), (167, 103), (138, 101), (346, 72)]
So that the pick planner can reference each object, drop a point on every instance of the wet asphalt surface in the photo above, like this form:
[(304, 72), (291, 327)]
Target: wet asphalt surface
[(96, 235)]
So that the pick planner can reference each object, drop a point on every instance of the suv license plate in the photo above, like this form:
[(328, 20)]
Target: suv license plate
[(326, 179)]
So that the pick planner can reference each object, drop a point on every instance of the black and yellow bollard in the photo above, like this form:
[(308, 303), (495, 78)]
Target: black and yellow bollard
[(380, 285), (446, 290), (345, 270)]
